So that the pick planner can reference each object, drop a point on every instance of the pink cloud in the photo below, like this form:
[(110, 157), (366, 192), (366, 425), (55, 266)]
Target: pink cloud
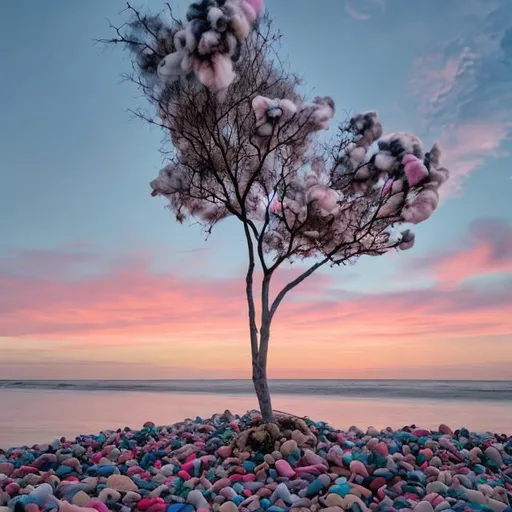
[(467, 146), (130, 302), (446, 84), (486, 250)]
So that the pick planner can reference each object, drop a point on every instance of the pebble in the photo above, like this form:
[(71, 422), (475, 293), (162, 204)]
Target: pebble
[(196, 466)]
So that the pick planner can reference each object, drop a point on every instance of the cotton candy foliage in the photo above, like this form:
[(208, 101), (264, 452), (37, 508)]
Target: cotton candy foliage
[(247, 145)]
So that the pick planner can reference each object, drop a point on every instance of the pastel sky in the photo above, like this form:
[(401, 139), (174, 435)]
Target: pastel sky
[(98, 281)]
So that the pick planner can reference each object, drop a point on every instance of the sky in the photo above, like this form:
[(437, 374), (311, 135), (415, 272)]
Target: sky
[(98, 281)]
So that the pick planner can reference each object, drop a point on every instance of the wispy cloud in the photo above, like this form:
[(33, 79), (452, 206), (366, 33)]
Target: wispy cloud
[(133, 315), (364, 10), (462, 89), (485, 250)]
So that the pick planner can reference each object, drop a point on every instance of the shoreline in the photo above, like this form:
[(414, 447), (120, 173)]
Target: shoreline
[(199, 465), (460, 390)]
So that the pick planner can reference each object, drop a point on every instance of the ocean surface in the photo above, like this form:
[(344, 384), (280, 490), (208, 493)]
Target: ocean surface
[(40, 411)]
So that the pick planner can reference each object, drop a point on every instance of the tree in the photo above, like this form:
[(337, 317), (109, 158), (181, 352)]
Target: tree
[(246, 144)]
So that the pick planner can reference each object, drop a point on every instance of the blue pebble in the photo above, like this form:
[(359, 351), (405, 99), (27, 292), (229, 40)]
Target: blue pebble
[(265, 503), (106, 470), (272, 473), (249, 466), (176, 508), (63, 471), (237, 500)]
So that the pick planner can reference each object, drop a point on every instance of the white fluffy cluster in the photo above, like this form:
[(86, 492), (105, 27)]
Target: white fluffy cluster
[(387, 178), (211, 41)]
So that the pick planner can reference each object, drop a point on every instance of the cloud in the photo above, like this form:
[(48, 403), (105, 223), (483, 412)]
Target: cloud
[(485, 250), (365, 9), (462, 88), (132, 303)]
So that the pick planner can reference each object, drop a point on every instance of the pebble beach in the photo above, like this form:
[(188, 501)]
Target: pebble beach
[(228, 463)]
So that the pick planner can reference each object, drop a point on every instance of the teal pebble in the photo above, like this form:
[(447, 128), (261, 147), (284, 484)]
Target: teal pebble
[(342, 490), (249, 466), (265, 503), (238, 487), (314, 488)]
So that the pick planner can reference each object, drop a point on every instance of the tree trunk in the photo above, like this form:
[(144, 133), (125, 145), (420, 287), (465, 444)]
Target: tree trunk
[(259, 379), (259, 372)]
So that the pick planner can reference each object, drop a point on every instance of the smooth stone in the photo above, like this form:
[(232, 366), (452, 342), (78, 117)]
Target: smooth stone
[(221, 484), (197, 499), (109, 495), (335, 500), (445, 430), (423, 506), (42, 490), (228, 506), (121, 483), (358, 468), (6, 468), (289, 447), (224, 452), (494, 455), (284, 469), (312, 458), (81, 499), (437, 487), (282, 493)]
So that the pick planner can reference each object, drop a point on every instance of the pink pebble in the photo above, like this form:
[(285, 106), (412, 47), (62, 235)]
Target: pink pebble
[(314, 470), (224, 452), (247, 493), (145, 503), (424, 466), (125, 456), (437, 501), (157, 507), (191, 457), (420, 432), (427, 453), (340, 438), (188, 466), (98, 505), (184, 475), (284, 469), (12, 488), (158, 464), (96, 458), (134, 470), (236, 477), (249, 477), (382, 449)]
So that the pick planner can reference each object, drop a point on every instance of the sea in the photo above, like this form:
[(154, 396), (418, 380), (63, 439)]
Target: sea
[(40, 411)]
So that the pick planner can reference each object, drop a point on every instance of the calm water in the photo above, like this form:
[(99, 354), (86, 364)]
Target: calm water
[(32, 412)]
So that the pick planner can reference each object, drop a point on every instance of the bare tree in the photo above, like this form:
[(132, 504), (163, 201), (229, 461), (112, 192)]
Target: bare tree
[(244, 143)]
